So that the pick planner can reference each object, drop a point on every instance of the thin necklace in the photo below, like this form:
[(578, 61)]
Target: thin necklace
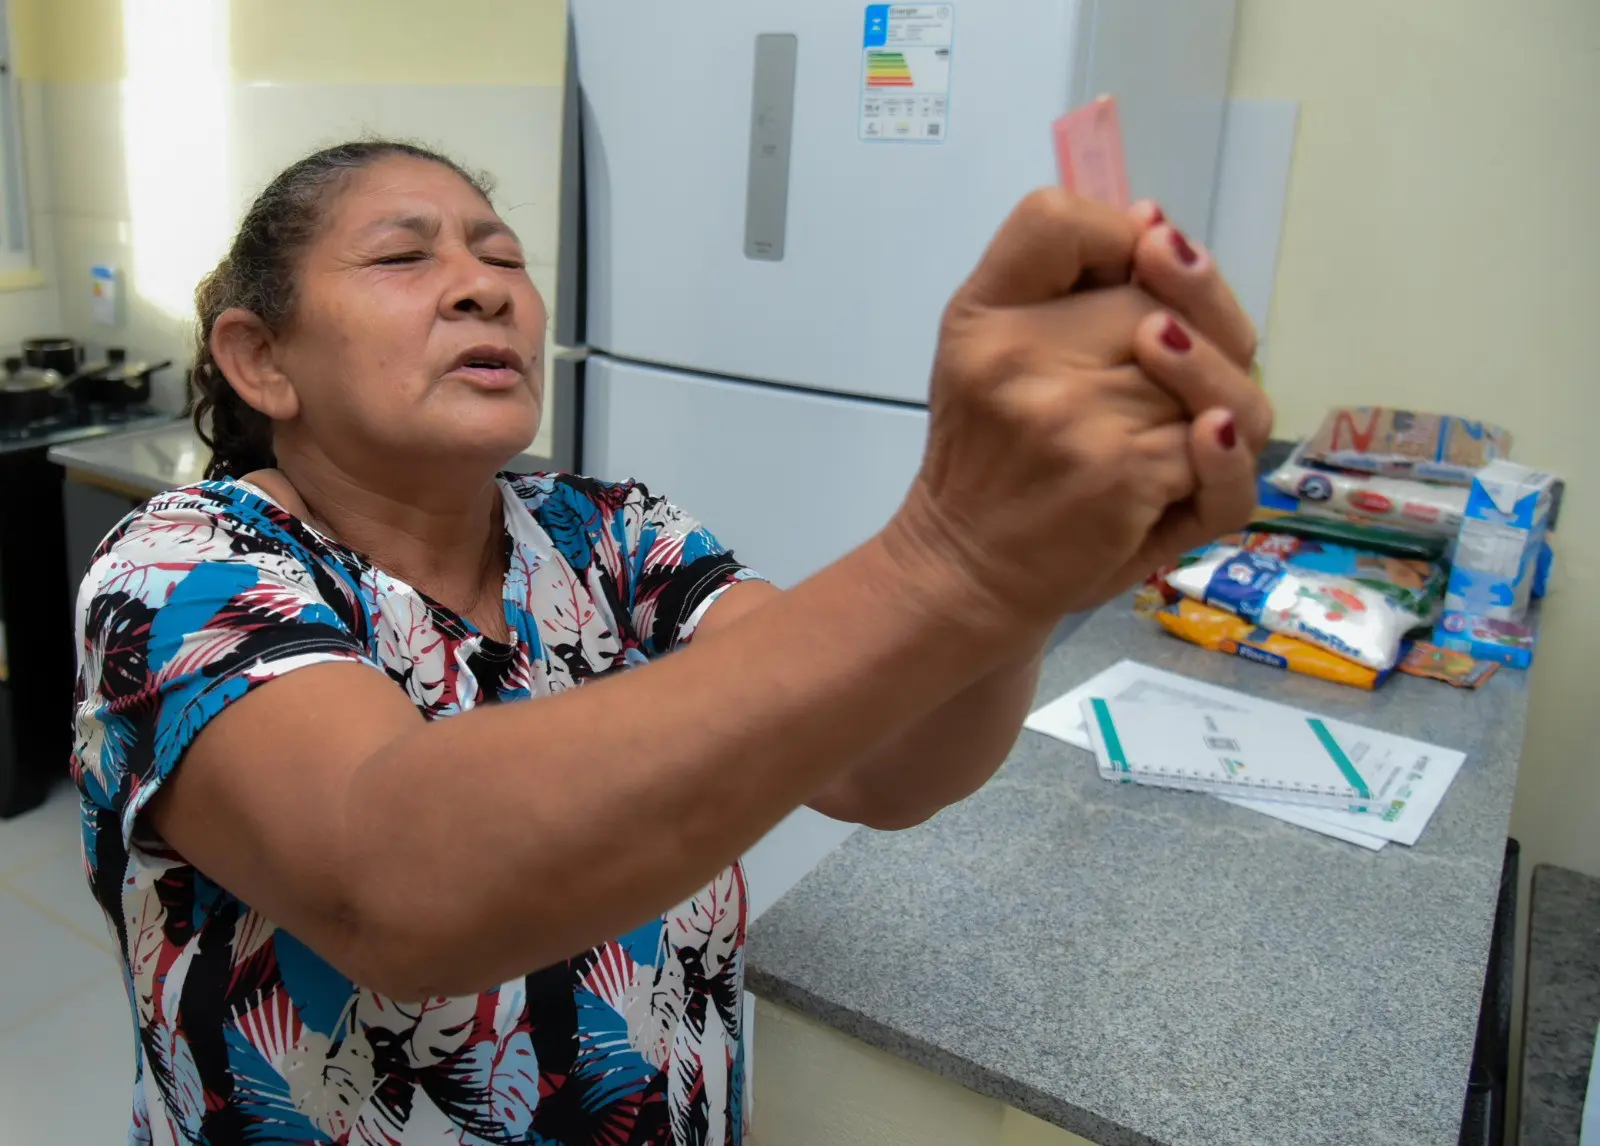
[(496, 552)]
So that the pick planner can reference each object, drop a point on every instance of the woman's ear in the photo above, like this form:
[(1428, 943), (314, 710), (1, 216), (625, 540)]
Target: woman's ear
[(243, 349)]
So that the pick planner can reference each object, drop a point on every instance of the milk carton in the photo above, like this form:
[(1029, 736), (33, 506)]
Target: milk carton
[(1501, 539)]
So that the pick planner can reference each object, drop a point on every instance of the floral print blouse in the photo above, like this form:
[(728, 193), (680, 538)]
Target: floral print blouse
[(244, 1034)]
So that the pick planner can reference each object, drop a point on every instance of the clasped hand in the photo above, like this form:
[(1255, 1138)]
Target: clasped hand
[(1092, 413)]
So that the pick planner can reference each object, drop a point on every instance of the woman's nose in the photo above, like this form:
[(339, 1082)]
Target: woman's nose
[(477, 290)]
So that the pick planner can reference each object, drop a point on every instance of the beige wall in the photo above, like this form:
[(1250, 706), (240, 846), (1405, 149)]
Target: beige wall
[(816, 1087), (399, 41), (1441, 249)]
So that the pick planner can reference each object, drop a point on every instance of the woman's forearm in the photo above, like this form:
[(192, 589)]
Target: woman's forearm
[(940, 759), (536, 830)]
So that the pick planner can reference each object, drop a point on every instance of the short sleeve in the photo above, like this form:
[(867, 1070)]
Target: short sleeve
[(196, 599), (659, 567), (677, 569)]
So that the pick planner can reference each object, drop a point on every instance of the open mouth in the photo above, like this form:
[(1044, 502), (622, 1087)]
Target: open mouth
[(494, 366)]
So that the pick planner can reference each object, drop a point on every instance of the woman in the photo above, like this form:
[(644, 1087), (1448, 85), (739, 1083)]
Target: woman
[(345, 918)]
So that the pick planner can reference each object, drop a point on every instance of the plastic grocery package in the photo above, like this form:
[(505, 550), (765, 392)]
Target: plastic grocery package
[(1334, 613), (1224, 632)]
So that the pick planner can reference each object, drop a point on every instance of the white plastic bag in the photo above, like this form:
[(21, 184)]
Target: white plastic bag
[(1334, 613)]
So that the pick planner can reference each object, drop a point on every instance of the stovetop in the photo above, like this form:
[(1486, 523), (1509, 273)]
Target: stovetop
[(75, 422)]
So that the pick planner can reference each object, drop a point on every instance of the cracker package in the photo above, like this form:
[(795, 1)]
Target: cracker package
[(1424, 508), (1403, 443)]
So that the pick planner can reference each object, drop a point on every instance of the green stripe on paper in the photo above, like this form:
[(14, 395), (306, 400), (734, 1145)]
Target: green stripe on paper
[(1108, 730), (1352, 777)]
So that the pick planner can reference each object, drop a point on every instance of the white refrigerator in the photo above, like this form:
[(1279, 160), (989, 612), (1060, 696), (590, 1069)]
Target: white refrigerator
[(767, 204)]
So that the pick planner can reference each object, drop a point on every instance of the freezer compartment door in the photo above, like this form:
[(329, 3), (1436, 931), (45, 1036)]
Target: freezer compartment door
[(789, 480)]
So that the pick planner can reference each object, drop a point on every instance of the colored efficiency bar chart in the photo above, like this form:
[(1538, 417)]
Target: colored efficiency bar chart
[(888, 70)]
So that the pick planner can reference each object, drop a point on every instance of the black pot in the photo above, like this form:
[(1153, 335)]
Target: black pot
[(28, 394), (117, 382), (63, 355)]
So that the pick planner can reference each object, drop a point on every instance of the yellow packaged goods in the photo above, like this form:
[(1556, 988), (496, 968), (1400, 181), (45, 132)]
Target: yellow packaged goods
[(1224, 632)]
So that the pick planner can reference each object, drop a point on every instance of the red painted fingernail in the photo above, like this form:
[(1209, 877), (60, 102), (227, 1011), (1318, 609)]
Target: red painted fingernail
[(1227, 435), (1174, 337), (1187, 255), (1157, 215)]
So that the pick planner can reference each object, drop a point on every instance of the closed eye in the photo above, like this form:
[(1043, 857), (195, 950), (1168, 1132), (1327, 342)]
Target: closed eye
[(510, 264), (400, 259)]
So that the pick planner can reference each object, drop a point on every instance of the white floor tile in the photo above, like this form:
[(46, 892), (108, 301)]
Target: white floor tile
[(43, 961), (66, 1075), (50, 828), (56, 886)]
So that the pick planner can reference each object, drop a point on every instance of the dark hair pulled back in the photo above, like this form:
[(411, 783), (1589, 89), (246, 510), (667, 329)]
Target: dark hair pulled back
[(260, 275)]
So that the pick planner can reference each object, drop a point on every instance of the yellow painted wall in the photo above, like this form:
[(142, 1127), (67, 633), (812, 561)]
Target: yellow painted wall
[(817, 1087), (1441, 249), (399, 41), (319, 41), (68, 41)]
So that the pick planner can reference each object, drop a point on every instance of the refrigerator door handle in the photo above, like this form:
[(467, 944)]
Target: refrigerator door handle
[(766, 207)]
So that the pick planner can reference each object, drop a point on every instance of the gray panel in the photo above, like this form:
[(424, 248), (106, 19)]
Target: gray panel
[(566, 384), (766, 218), (789, 480), (570, 252)]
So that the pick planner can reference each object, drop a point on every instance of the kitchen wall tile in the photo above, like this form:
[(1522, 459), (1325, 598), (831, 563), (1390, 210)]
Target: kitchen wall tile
[(511, 132), (32, 99), (37, 309), (88, 164), (145, 329)]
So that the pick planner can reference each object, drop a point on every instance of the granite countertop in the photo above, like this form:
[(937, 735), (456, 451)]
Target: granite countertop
[(1147, 967), (150, 460), (1562, 1008)]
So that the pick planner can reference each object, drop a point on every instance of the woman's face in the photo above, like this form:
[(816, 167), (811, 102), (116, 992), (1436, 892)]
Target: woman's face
[(418, 335)]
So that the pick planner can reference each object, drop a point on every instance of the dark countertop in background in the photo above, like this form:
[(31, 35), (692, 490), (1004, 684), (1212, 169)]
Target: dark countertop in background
[(1562, 1007), (1151, 967), (68, 433)]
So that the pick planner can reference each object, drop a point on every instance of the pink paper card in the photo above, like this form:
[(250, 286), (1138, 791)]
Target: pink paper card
[(1089, 153)]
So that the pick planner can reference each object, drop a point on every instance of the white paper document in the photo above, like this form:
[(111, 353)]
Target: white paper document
[(1428, 768), (1284, 757)]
